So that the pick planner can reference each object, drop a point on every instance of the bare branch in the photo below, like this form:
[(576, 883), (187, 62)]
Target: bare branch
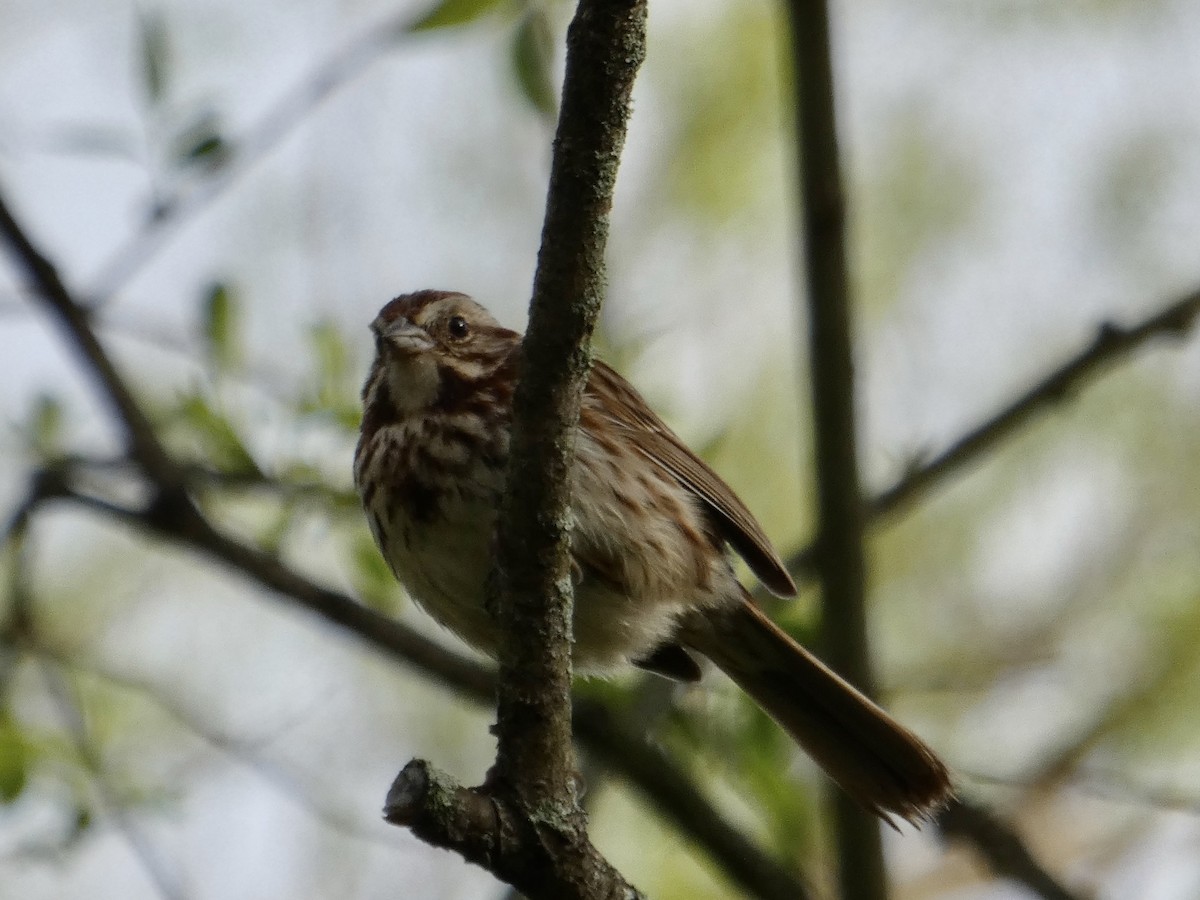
[(647, 768), (1000, 846), (605, 47), (1112, 345), (165, 882), (407, 646), (618, 746), (172, 213), (840, 561), (75, 321), (526, 824), (487, 829)]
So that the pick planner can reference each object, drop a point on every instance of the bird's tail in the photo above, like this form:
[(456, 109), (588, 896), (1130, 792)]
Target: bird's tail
[(877, 761)]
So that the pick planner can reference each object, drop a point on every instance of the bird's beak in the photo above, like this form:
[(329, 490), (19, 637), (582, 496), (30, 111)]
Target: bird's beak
[(402, 336)]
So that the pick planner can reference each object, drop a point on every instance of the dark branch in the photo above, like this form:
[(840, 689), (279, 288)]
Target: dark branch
[(488, 830), (1000, 846), (531, 788), (75, 320), (605, 47), (619, 747), (1113, 344), (648, 769), (429, 658), (840, 519)]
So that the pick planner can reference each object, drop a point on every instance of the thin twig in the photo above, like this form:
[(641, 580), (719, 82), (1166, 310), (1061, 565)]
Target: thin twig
[(172, 213), (1112, 344), (75, 321), (164, 881), (239, 750), (1001, 846), (458, 673)]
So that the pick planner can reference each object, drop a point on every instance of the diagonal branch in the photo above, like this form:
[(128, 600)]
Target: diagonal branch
[(1112, 345), (1001, 846), (467, 677), (620, 747), (75, 321), (280, 121)]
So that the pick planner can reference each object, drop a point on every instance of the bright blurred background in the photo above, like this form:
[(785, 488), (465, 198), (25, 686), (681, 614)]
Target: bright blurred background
[(1019, 172)]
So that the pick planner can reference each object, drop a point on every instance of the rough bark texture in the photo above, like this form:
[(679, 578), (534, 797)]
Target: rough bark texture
[(605, 46), (536, 836)]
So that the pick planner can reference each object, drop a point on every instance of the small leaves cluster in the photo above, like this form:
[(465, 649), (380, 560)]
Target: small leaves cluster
[(531, 48)]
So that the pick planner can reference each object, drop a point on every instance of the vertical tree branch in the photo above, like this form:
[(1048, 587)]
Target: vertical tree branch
[(840, 509), (605, 47), (526, 824)]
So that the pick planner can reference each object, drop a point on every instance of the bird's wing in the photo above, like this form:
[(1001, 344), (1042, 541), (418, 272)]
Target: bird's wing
[(651, 436)]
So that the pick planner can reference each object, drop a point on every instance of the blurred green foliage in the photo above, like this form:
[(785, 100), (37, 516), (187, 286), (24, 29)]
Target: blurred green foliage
[(221, 318), (14, 759), (728, 112), (449, 13), (919, 194)]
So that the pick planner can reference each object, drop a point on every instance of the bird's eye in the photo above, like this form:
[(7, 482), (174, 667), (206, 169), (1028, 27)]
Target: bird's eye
[(458, 327)]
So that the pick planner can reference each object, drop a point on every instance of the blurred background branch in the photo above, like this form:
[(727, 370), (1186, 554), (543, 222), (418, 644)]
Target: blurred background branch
[(840, 559), (1113, 344)]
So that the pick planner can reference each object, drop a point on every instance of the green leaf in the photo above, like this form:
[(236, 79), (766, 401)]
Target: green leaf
[(333, 356), (218, 437), (335, 392), (156, 55), (373, 580), (449, 13), (221, 325), (532, 60), (46, 424), (201, 143), (14, 760), (209, 149)]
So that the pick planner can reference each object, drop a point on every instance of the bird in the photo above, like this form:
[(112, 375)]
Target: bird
[(654, 533)]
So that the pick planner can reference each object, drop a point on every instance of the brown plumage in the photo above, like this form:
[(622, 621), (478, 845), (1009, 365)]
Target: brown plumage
[(652, 522)]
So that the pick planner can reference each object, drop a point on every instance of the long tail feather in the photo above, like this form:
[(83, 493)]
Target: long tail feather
[(879, 762)]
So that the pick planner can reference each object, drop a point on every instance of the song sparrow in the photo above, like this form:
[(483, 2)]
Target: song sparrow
[(654, 581)]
